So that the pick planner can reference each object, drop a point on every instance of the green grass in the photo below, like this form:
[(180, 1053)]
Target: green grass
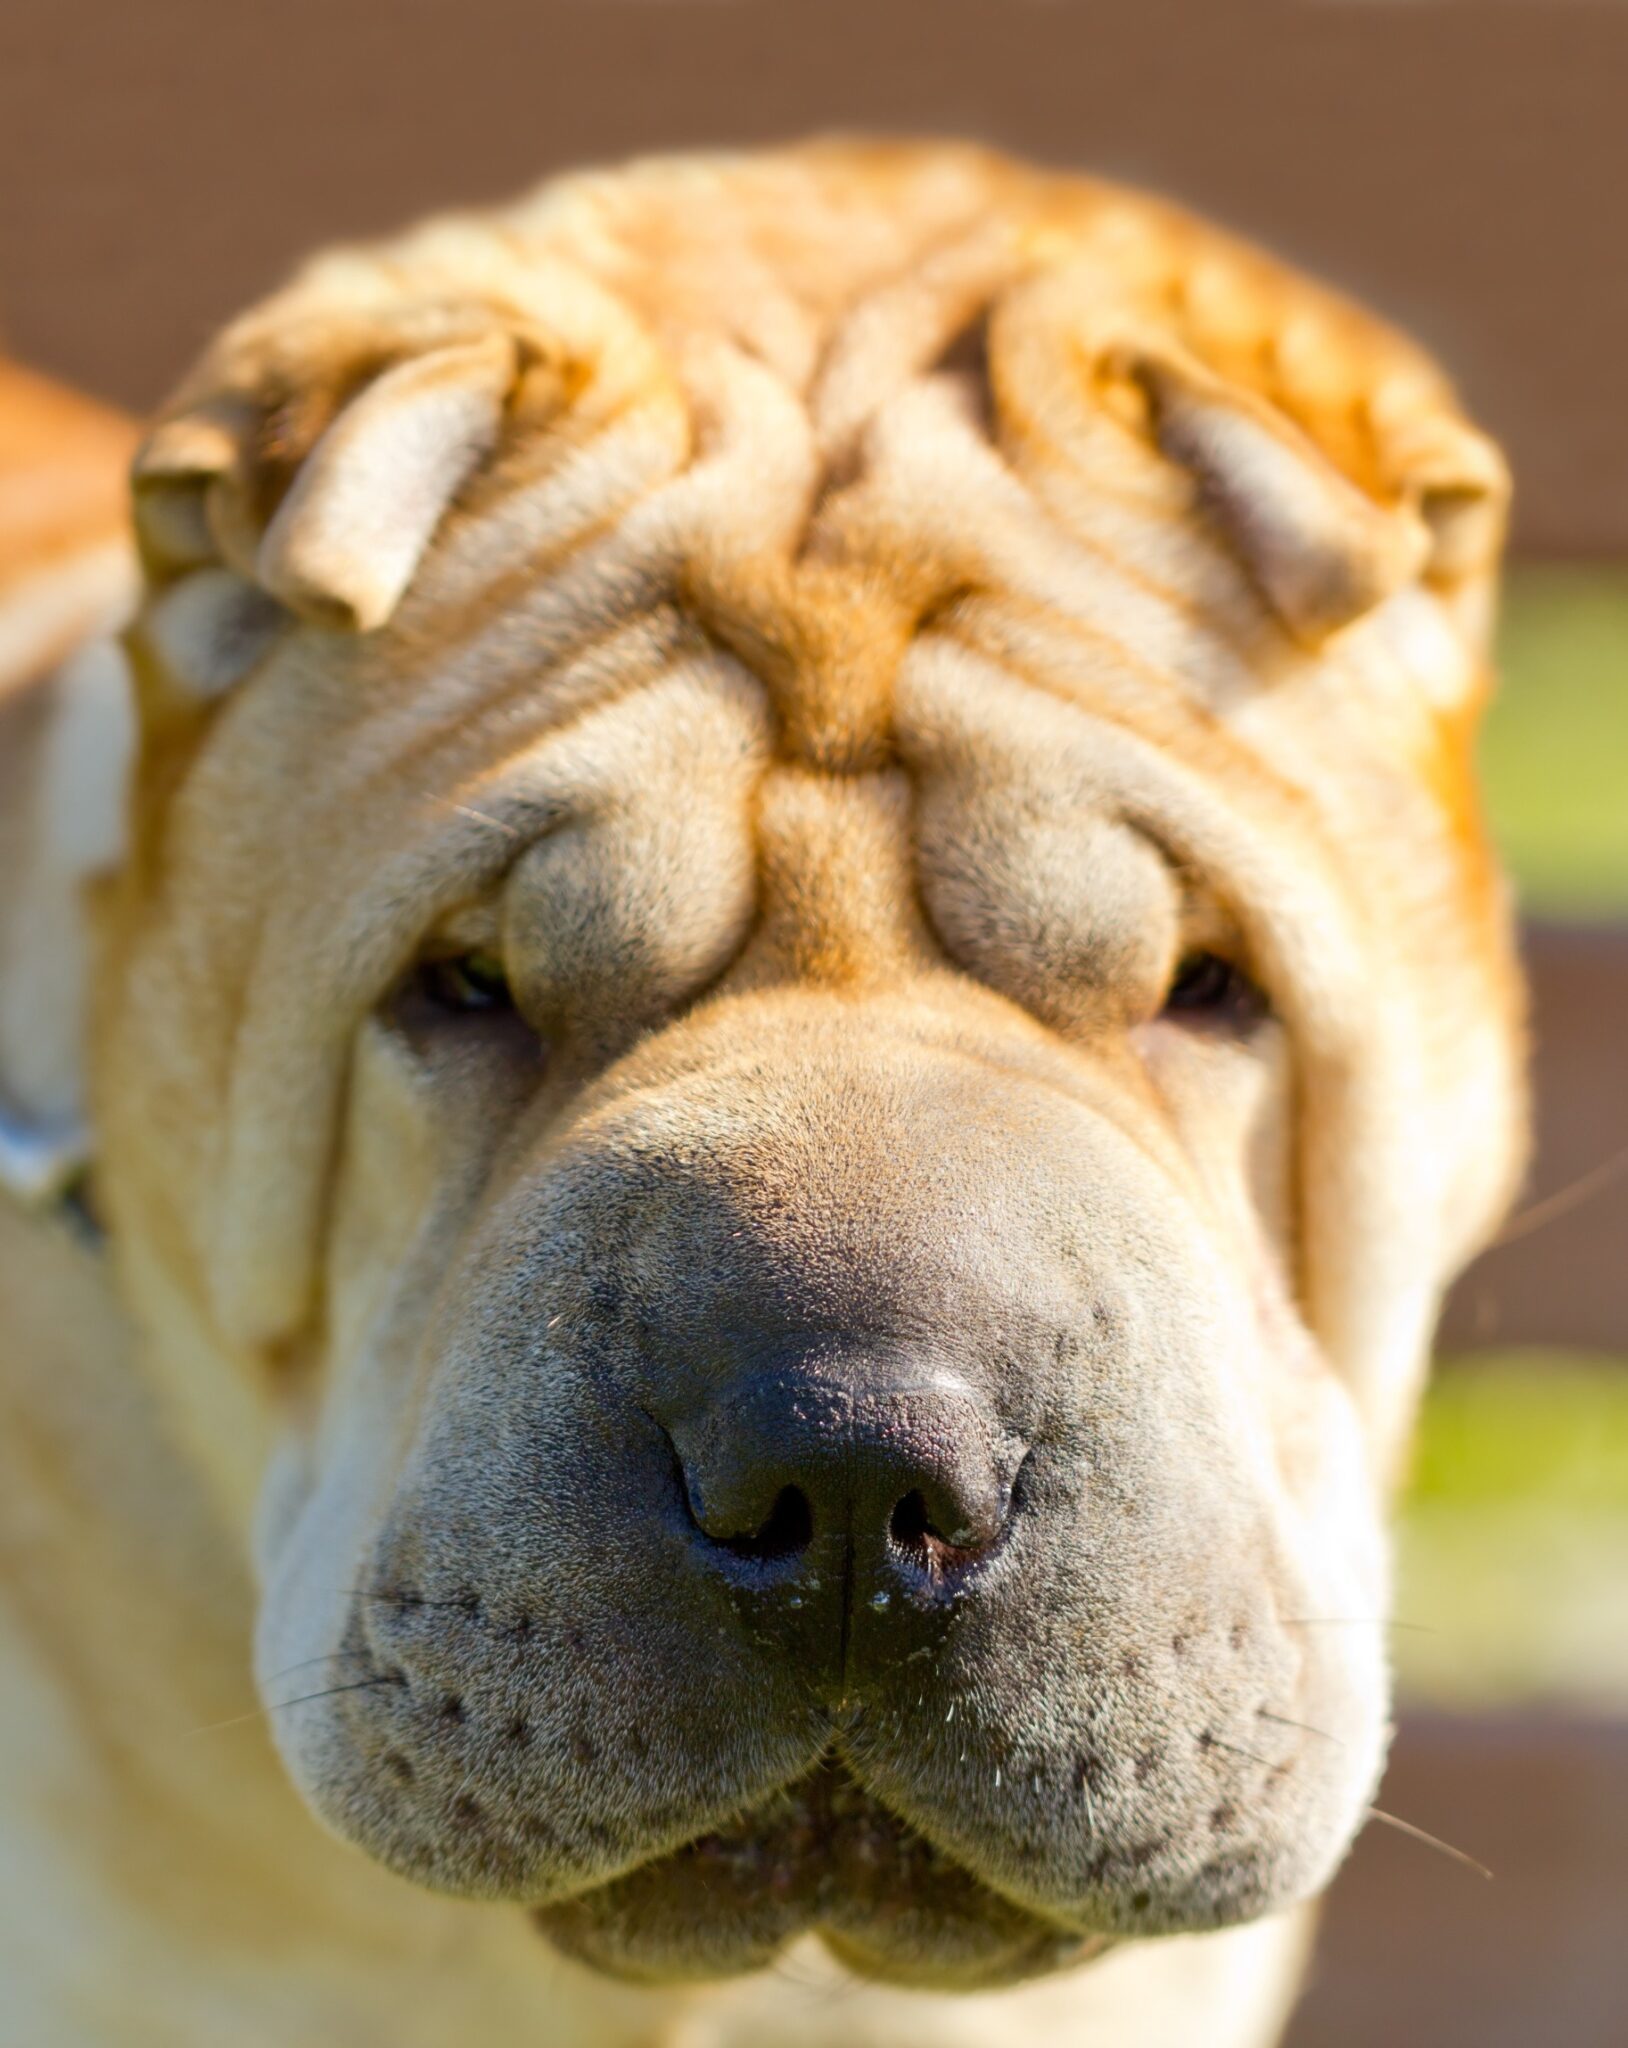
[(1526, 1426), (1513, 1548), (1555, 751)]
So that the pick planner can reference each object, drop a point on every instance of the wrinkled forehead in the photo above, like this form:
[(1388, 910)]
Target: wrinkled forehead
[(645, 670), (679, 586), (801, 425)]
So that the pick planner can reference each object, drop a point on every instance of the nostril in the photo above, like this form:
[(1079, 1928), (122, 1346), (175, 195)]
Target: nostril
[(784, 1532), (913, 1530), (789, 1529), (911, 1524)]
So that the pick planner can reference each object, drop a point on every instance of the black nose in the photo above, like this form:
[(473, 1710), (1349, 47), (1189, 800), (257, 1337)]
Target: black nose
[(903, 1485)]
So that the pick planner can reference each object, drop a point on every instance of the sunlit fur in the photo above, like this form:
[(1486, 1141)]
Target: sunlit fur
[(842, 625)]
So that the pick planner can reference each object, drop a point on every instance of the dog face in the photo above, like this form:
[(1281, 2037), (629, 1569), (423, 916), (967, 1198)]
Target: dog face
[(805, 1012)]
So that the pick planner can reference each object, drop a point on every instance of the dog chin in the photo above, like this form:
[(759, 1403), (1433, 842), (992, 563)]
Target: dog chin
[(822, 1858)]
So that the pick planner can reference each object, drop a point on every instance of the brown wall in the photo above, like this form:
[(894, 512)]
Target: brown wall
[(1463, 163), (1559, 1274)]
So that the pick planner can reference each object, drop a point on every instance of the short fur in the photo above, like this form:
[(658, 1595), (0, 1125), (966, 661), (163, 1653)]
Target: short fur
[(843, 625)]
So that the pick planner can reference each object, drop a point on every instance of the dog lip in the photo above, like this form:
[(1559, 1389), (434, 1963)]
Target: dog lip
[(823, 1856)]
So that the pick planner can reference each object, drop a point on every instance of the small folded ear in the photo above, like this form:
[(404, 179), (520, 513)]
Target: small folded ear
[(1320, 548), (1453, 477), (324, 482), (344, 543)]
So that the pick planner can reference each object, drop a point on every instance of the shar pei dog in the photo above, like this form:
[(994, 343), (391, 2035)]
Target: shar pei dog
[(746, 1029)]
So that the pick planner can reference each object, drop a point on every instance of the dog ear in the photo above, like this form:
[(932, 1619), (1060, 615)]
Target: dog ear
[(1322, 549), (316, 463), (342, 546)]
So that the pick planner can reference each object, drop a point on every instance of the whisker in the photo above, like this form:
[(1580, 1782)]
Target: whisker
[(358, 1685), (327, 1657), (389, 1599), (1406, 1827), (468, 811), (1305, 1727), (1564, 1199), (277, 1706)]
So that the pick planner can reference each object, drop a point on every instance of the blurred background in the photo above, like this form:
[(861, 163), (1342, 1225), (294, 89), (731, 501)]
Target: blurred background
[(1460, 164)]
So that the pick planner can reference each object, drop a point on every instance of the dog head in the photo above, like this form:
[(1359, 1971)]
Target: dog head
[(805, 1010)]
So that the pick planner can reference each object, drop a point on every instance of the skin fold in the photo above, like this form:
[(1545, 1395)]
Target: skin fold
[(772, 947)]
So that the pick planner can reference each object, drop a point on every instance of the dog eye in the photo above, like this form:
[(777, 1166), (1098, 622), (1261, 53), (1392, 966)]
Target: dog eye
[(1210, 989), (466, 983)]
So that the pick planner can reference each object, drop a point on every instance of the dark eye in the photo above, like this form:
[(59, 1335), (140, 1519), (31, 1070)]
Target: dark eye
[(468, 982), (1208, 989)]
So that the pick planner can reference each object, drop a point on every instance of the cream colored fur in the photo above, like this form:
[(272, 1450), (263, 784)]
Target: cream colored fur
[(832, 620)]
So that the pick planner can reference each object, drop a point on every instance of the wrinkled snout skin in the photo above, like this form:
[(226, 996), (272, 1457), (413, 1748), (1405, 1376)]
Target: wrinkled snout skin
[(842, 1380)]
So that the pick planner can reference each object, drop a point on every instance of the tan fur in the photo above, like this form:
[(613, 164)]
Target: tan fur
[(843, 624)]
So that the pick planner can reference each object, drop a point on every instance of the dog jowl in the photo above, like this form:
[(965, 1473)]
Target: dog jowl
[(808, 1007)]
